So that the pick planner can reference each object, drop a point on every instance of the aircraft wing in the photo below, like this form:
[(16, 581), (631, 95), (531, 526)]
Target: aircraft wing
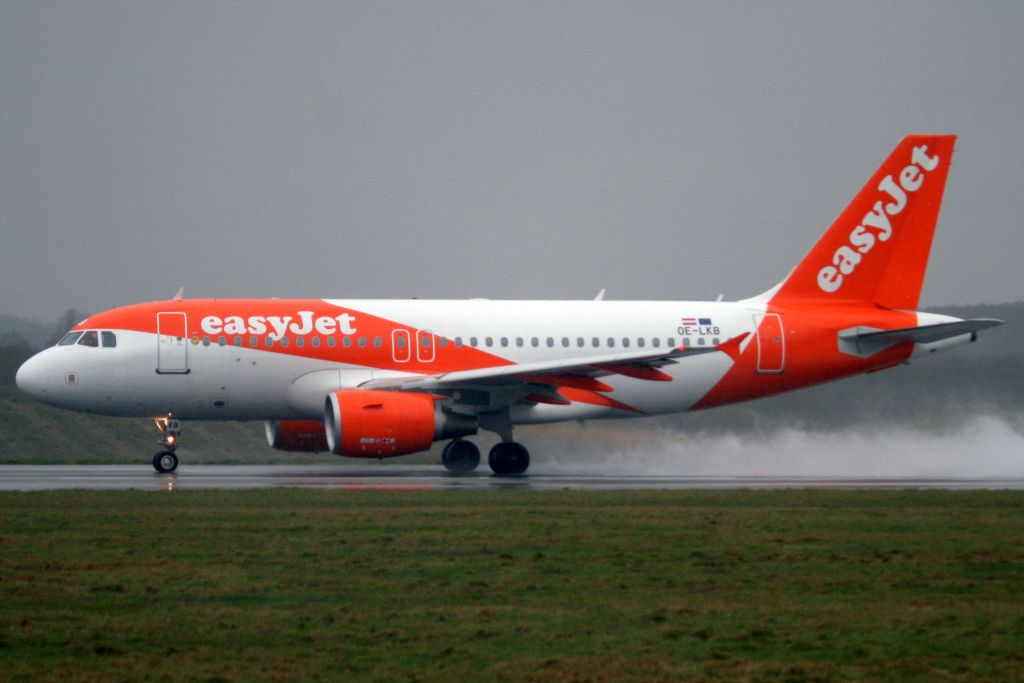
[(549, 381)]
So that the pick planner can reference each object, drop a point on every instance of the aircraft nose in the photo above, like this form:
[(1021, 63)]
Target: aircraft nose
[(32, 377)]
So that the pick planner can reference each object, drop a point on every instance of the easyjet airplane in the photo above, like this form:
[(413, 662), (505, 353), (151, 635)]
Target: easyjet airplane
[(381, 378)]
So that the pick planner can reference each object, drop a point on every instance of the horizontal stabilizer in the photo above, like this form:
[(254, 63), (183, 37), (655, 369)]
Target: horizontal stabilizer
[(866, 342), (930, 333)]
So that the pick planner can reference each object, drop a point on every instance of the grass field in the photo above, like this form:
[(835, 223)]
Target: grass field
[(513, 585)]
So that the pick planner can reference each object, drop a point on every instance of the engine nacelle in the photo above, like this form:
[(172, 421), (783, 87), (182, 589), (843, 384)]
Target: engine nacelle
[(381, 424), (301, 436)]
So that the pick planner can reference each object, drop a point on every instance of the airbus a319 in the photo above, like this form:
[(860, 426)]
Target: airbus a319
[(383, 378)]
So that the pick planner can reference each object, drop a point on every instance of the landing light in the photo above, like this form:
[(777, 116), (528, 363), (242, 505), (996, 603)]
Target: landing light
[(170, 439)]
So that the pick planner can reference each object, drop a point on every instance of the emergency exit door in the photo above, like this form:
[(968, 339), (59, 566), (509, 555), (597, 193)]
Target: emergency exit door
[(771, 344), (172, 344)]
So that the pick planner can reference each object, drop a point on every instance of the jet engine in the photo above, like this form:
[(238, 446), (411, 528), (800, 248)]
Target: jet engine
[(381, 424), (300, 436)]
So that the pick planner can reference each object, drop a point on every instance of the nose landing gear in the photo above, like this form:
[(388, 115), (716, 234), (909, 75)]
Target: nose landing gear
[(166, 461)]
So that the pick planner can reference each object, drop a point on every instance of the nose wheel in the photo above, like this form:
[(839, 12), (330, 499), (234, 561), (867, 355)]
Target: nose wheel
[(166, 461)]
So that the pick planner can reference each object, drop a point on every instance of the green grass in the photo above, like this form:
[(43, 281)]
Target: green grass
[(511, 585)]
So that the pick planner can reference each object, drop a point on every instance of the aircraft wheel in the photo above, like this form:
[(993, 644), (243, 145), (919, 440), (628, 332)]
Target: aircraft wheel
[(460, 456), (509, 458), (165, 461)]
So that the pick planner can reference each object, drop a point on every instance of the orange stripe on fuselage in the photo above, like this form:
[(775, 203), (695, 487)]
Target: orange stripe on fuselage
[(142, 318), (812, 352)]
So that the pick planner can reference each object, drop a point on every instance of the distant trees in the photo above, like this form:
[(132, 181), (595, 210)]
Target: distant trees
[(70, 318)]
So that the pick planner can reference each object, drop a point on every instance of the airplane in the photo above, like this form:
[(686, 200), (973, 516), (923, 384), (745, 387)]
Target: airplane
[(384, 378)]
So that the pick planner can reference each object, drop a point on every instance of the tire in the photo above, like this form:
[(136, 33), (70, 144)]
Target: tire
[(460, 457), (165, 462), (509, 458)]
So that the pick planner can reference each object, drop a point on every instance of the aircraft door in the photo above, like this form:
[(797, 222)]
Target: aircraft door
[(771, 344), (172, 343), (425, 346), (401, 348)]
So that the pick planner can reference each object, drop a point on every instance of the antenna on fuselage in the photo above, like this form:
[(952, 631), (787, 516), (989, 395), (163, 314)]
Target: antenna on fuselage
[(600, 296), (180, 295)]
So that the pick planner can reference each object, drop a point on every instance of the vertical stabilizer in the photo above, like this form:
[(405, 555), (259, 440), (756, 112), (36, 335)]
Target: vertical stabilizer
[(876, 251)]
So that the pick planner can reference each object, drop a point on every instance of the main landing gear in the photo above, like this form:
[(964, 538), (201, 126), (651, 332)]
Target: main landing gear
[(166, 461), (507, 457)]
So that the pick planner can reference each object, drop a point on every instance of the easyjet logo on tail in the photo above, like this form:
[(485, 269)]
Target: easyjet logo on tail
[(875, 225)]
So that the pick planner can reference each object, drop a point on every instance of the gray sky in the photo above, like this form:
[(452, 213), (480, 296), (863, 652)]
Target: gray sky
[(536, 150)]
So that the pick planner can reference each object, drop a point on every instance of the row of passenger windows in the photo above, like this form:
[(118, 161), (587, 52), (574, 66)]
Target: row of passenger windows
[(89, 338), (475, 342)]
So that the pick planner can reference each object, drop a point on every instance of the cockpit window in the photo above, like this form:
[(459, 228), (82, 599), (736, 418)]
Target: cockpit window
[(89, 338), (69, 339), (109, 339)]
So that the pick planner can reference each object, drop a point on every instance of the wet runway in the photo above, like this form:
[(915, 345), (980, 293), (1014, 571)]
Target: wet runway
[(422, 477)]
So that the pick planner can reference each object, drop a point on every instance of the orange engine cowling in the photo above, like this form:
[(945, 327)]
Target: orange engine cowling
[(301, 436), (381, 424)]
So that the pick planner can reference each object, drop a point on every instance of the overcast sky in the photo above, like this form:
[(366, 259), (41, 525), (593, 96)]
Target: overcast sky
[(510, 150)]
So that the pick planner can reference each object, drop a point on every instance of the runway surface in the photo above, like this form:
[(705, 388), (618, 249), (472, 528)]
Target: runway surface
[(420, 477)]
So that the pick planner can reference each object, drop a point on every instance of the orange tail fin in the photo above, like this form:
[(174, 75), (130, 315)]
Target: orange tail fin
[(876, 252)]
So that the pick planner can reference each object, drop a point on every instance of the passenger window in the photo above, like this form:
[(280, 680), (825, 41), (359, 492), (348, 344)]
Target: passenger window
[(442, 342), (221, 341), (611, 342), (268, 342), (671, 342), (316, 342), (565, 342), (109, 339), (284, 341), (504, 341), (700, 341), (640, 342), (362, 342), (425, 341), (458, 342), (534, 342), (580, 342), (656, 342), (300, 341), (519, 341), (238, 341), (489, 341), (551, 341), (345, 341), (625, 342), (253, 342), (595, 342), (473, 342), (332, 342), (378, 342), (69, 339), (89, 338)]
